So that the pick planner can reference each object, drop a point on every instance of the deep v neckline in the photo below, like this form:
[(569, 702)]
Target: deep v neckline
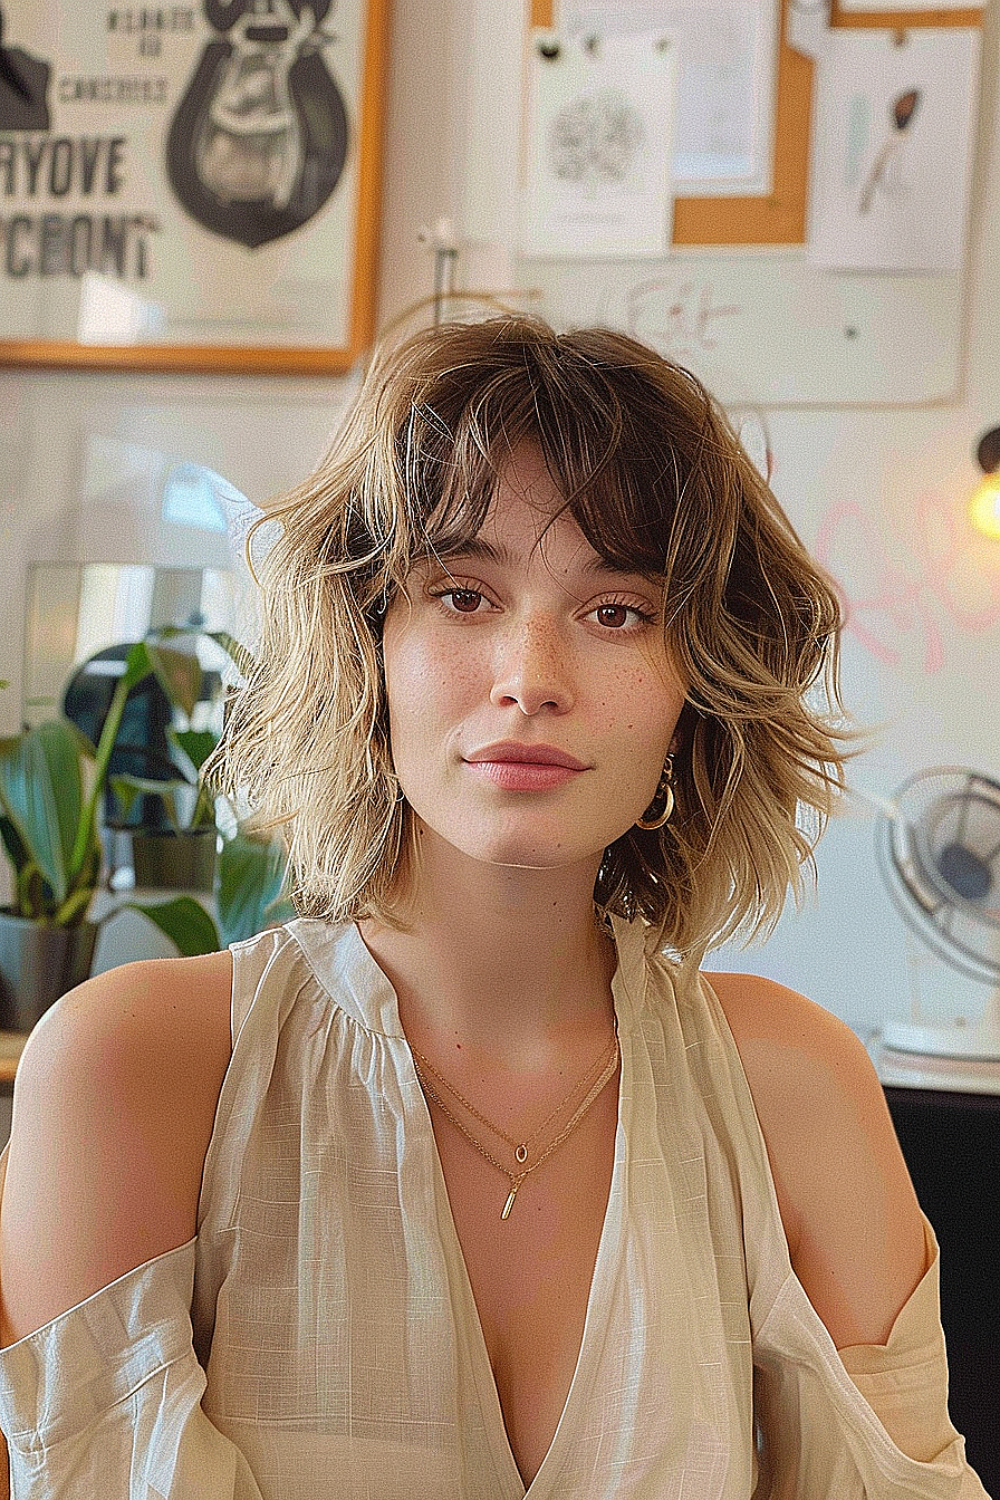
[(598, 1297), (627, 1002)]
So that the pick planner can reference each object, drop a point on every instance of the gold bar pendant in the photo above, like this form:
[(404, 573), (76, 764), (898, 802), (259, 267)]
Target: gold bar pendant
[(510, 1203)]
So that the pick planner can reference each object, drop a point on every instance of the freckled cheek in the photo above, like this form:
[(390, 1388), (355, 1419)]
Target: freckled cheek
[(637, 703)]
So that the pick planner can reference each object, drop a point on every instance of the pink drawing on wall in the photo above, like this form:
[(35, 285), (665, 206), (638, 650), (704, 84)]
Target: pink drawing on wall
[(894, 593)]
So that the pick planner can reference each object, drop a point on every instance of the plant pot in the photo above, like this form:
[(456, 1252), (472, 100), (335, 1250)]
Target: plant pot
[(175, 861), (37, 965)]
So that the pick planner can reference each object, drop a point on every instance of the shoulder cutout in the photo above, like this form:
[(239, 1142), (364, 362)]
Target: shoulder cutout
[(114, 1103), (850, 1213)]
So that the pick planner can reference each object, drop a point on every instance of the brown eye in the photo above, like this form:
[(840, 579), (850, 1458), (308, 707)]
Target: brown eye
[(619, 612), (466, 601)]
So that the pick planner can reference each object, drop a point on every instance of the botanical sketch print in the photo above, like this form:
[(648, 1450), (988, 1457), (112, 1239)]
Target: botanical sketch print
[(596, 138), (599, 123), (883, 174)]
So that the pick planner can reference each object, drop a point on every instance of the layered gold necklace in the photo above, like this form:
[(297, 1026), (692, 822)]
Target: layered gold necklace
[(607, 1065)]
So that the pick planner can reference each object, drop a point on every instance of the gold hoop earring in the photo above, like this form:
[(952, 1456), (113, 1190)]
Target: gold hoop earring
[(665, 790)]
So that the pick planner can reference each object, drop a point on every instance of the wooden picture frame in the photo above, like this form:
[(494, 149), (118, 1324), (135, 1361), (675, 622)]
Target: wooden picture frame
[(780, 217), (202, 180)]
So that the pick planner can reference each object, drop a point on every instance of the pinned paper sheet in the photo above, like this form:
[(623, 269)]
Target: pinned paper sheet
[(892, 149), (600, 122), (727, 70)]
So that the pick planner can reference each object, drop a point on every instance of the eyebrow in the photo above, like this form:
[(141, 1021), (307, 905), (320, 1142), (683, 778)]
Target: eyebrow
[(479, 550)]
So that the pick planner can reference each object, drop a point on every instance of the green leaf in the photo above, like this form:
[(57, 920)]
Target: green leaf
[(175, 796), (85, 746), (51, 828), (30, 892), (248, 887), (126, 793), (193, 747), (74, 909), (178, 672), (184, 921), (41, 792), (204, 809), (234, 649), (16, 852)]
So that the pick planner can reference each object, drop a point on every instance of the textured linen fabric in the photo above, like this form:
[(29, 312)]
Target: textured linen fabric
[(318, 1338)]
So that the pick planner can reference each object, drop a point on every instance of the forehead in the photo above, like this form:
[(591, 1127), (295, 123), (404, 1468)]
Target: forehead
[(527, 518), (527, 515)]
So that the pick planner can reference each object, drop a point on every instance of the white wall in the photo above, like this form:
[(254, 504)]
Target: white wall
[(453, 80)]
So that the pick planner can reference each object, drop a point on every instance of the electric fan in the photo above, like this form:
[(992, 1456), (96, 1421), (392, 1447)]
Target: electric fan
[(938, 849)]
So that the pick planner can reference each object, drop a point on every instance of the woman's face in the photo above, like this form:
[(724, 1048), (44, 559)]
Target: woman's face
[(528, 646)]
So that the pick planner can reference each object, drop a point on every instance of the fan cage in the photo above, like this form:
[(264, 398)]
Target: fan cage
[(958, 930)]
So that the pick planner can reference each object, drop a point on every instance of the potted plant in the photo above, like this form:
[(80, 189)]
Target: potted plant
[(250, 870), (51, 782), (182, 855), (248, 897)]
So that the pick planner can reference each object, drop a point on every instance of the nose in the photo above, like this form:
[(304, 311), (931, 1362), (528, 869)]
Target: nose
[(532, 669)]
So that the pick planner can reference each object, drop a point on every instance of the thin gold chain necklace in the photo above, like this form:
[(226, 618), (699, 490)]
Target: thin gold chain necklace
[(516, 1178), (520, 1148)]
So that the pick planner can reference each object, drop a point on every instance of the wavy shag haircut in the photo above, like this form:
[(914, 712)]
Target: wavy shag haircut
[(655, 477)]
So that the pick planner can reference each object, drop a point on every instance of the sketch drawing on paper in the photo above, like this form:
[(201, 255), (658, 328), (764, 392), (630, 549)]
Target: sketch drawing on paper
[(890, 176), (884, 170), (596, 138), (599, 126)]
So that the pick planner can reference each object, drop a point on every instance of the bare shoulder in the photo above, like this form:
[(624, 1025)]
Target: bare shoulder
[(849, 1209), (114, 1103)]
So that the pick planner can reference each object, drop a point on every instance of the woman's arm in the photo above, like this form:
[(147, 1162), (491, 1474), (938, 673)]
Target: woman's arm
[(114, 1105), (850, 1212)]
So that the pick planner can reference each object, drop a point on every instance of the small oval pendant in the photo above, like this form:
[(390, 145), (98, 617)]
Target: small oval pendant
[(521, 1153)]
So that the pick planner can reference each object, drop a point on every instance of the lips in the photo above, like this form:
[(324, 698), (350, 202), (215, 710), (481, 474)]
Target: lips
[(524, 754)]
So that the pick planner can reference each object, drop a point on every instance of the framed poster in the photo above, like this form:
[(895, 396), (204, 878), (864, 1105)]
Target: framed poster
[(191, 186)]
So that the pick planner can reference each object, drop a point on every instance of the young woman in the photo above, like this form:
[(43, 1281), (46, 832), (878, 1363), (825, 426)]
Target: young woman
[(468, 1183)]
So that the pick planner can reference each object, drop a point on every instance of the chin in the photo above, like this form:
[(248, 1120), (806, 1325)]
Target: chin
[(551, 844), (520, 850)]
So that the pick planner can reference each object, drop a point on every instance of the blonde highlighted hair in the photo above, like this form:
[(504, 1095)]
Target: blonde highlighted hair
[(654, 475)]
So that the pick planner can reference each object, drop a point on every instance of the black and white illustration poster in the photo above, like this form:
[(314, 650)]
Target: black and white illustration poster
[(185, 175)]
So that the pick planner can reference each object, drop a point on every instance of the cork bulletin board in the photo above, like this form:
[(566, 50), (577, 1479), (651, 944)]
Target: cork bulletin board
[(736, 298), (780, 218)]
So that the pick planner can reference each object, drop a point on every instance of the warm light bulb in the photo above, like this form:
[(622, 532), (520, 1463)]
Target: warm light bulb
[(984, 507)]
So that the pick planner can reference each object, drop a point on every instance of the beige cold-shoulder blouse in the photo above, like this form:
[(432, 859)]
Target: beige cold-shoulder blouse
[(318, 1339)]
